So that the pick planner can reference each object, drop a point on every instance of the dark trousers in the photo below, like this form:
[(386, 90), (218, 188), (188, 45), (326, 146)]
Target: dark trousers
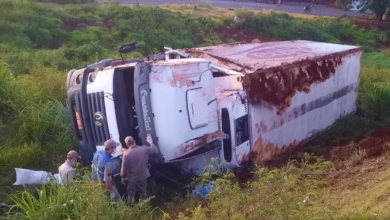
[(133, 187)]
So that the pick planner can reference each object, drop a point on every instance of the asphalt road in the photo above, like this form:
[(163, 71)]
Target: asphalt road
[(291, 7)]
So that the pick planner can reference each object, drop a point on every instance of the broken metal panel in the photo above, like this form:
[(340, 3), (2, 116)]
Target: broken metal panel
[(275, 131), (196, 143)]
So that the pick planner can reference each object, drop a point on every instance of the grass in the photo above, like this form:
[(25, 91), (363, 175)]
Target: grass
[(41, 42), (374, 93), (272, 194), (85, 200), (360, 195)]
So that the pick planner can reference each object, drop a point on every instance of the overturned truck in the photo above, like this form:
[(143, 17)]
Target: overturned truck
[(238, 103)]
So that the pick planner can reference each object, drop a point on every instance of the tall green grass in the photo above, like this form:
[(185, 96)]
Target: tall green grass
[(38, 132), (86, 200), (374, 93), (6, 90)]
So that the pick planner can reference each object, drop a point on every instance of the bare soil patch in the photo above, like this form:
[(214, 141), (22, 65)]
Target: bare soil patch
[(370, 22)]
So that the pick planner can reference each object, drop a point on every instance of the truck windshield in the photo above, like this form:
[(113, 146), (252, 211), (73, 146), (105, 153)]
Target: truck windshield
[(125, 104)]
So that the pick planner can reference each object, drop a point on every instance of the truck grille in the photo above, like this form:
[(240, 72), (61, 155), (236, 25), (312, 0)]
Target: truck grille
[(98, 117)]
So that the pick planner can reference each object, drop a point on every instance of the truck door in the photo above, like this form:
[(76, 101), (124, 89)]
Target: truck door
[(234, 122)]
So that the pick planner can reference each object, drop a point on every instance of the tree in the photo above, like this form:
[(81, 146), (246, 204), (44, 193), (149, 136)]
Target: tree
[(379, 7)]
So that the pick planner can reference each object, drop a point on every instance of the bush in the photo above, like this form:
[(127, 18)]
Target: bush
[(90, 34), (39, 87), (86, 54)]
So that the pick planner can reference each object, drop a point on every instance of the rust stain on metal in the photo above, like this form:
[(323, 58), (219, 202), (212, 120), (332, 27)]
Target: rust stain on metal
[(264, 151), (276, 86), (199, 142), (182, 77), (218, 60), (158, 78)]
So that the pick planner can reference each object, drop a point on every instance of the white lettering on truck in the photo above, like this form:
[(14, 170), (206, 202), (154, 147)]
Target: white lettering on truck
[(145, 110)]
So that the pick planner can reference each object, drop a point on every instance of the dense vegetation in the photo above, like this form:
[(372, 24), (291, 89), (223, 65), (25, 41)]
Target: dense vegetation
[(39, 43)]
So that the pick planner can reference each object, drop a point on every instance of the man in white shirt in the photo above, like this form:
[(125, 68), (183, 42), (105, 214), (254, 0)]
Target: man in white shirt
[(66, 170)]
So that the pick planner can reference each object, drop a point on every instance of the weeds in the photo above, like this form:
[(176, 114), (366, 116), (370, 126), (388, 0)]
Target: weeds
[(85, 200), (356, 157), (275, 194)]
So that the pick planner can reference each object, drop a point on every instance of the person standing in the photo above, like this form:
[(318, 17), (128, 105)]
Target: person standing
[(135, 167), (66, 170), (102, 167)]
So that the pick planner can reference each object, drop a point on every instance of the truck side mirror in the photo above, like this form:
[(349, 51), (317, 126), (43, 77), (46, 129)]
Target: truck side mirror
[(129, 47)]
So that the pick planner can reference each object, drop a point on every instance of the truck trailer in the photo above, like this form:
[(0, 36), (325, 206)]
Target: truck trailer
[(240, 103)]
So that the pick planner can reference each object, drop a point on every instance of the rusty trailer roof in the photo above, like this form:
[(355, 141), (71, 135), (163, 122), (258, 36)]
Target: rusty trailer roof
[(250, 57)]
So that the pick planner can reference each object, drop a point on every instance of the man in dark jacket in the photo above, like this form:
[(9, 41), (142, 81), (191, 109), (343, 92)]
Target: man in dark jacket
[(135, 167)]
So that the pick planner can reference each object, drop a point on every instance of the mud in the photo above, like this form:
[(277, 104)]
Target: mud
[(277, 86), (372, 145)]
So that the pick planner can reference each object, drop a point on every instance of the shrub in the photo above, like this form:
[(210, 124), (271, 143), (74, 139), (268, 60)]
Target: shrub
[(35, 89), (86, 54), (90, 34)]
